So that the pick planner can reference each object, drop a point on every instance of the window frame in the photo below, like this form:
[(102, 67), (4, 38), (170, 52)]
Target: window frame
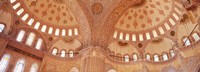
[(24, 64), (53, 50), (34, 66), (62, 53), (37, 43), (30, 39), (196, 37), (135, 57), (156, 58), (146, 57), (22, 36), (7, 62), (165, 56), (71, 54), (126, 58)]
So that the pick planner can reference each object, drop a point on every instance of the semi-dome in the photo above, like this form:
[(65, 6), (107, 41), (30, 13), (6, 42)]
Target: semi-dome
[(53, 12), (153, 13), (149, 20), (159, 46)]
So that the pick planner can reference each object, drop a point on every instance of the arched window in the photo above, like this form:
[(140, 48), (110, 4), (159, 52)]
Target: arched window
[(141, 37), (156, 58), (165, 57), (135, 58), (133, 37), (25, 17), (186, 41), (34, 67), (30, 39), (161, 30), (20, 66), (148, 57), (63, 53), (196, 37), (167, 26), (115, 34), (127, 37), (155, 33), (70, 32), (50, 30), (121, 36), (112, 70), (75, 31), (126, 58), (20, 35), (16, 6), (148, 36), (20, 11), (37, 25), (12, 1), (38, 44), (57, 32), (43, 28), (63, 32), (71, 53), (4, 62), (30, 22), (2, 26), (74, 69), (172, 53), (55, 51)]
